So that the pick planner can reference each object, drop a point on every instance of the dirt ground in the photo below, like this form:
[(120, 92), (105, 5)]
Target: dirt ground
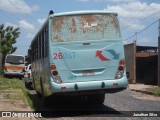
[(13, 100)]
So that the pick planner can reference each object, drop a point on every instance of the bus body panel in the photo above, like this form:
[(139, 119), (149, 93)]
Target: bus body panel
[(87, 64)]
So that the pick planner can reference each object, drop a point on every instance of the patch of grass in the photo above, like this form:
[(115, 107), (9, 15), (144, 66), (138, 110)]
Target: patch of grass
[(155, 91), (1, 72), (27, 96), (9, 84), (12, 85), (17, 96)]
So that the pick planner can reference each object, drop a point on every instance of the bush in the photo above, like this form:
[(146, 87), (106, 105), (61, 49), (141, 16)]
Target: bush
[(1, 72)]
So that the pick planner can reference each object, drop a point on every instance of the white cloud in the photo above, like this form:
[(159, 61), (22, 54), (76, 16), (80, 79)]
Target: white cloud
[(130, 24), (106, 0), (41, 21), (10, 24), (30, 35), (29, 28), (135, 9), (146, 42), (83, 0), (26, 26), (136, 26), (132, 12), (17, 6), (142, 41)]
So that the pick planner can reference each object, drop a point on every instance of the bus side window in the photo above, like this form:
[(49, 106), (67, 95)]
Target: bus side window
[(46, 43), (39, 40), (34, 51), (43, 41), (40, 46), (37, 49)]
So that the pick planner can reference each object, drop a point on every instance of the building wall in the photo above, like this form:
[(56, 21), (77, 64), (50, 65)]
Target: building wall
[(159, 61), (143, 67), (147, 70), (130, 61)]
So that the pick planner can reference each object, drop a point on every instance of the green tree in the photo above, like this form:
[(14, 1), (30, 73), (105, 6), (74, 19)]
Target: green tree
[(8, 36)]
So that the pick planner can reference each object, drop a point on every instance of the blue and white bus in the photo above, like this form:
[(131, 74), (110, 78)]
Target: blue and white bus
[(79, 53)]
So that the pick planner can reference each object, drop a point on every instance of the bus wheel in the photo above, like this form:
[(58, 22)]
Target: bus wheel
[(38, 94), (45, 100), (26, 84), (33, 84), (96, 99), (4, 76), (20, 77)]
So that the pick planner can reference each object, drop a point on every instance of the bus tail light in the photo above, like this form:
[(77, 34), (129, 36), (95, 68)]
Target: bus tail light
[(52, 67), (120, 70), (55, 74), (121, 63)]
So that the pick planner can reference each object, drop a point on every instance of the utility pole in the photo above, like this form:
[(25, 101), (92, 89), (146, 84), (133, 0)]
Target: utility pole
[(134, 62), (159, 55)]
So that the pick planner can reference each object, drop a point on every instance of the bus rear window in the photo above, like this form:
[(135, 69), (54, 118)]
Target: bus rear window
[(85, 27)]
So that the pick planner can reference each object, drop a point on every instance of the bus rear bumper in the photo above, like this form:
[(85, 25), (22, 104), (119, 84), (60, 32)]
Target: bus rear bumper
[(13, 74), (89, 87), (90, 92)]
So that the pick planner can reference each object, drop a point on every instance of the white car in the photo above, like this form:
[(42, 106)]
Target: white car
[(28, 77)]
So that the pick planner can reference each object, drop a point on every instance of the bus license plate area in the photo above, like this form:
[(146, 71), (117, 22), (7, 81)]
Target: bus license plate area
[(88, 72), (14, 71)]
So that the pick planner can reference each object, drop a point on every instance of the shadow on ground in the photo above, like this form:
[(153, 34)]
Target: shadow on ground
[(71, 107)]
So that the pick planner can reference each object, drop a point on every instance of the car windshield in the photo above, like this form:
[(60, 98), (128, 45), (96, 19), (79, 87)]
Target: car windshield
[(85, 27), (15, 59)]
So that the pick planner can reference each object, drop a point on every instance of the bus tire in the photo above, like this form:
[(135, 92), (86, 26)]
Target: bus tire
[(45, 100), (26, 84), (33, 84), (20, 77), (4, 76), (38, 93), (97, 99)]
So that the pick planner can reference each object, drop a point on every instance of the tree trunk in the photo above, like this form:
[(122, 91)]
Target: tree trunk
[(1, 64), (1, 57)]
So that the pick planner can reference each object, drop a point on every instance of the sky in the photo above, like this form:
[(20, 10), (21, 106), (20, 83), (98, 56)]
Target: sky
[(139, 19)]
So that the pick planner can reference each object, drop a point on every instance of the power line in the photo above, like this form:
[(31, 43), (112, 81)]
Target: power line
[(18, 9), (142, 30), (33, 19), (137, 14), (140, 20)]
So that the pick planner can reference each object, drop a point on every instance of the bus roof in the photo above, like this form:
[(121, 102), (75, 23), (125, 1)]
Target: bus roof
[(84, 12), (14, 55)]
